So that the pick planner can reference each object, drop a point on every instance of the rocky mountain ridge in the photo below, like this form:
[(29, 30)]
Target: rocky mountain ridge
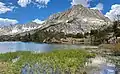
[(77, 19), (19, 28)]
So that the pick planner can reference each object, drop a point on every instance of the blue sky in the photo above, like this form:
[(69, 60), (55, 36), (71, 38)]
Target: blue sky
[(24, 11)]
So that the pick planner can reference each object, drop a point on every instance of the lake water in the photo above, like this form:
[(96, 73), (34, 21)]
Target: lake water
[(41, 47), (38, 47)]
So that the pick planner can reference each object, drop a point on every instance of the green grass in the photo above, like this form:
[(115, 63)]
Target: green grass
[(63, 58)]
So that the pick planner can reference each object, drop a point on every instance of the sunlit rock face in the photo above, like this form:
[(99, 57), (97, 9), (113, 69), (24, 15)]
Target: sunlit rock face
[(19, 28), (77, 19)]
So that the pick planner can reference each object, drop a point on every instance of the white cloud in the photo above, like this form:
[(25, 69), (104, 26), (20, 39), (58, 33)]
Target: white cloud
[(6, 21), (38, 21), (39, 3), (99, 6), (85, 3), (115, 10), (43, 1), (24, 3), (4, 8)]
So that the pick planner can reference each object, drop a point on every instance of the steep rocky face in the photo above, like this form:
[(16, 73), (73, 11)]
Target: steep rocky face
[(77, 19), (16, 29), (74, 21)]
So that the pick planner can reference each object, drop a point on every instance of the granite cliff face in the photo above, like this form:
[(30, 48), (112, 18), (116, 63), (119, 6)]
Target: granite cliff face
[(19, 28), (77, 19)]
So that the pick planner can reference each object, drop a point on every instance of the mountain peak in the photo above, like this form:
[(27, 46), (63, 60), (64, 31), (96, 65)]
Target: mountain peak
[(76, 20)]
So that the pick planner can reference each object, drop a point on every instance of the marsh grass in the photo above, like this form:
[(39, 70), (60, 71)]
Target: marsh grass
[(64, 59), (114, 48)]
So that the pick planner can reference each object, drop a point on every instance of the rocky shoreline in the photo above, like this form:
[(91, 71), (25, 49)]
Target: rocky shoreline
[(104, 60)]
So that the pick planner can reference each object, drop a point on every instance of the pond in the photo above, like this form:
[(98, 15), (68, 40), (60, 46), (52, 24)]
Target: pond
[(37, 47)]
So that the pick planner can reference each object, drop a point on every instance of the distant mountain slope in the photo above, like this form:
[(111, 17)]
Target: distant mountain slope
[(19, 28), (76, 20)]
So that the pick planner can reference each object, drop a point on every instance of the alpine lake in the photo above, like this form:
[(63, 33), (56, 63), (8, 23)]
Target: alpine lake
[(42, 58)]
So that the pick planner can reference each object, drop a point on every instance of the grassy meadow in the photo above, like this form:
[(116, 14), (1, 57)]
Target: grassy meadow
[(64, 59)]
